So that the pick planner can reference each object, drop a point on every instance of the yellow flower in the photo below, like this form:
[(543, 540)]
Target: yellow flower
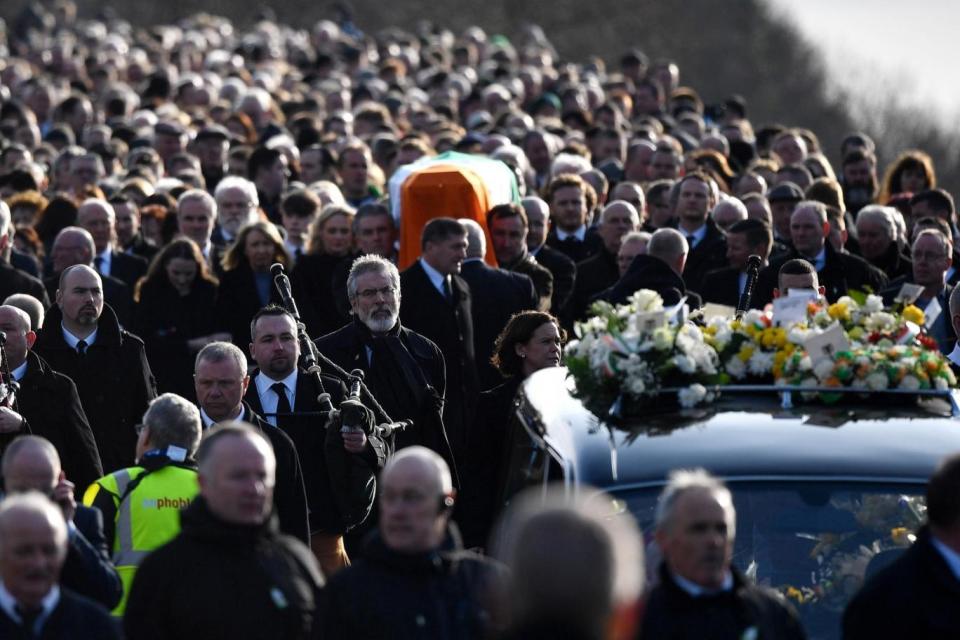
[(839, 311), (745, 352), (856, 333), (913, 314)]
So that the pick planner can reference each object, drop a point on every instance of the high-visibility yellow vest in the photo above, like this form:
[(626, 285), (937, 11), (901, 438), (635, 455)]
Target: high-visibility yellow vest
[(147, 518)]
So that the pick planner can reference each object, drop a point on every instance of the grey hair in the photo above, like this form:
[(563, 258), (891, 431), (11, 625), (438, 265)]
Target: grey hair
[(232, 429), (442, 470), (173, 420), (24, 442), (5, 227), (201, 196), (817, 207), (328, 192), (636, 236), (236, 182), (884, 216), (13, 507), (623, 204), (90, 203), (681, 481), (29, 305), (730, 203), (667, 244), (91, 245), (476, 241), (569, 163), (220, 351), (371, 263)]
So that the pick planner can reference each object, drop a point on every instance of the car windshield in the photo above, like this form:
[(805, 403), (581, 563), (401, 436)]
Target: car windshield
[(814, 542)]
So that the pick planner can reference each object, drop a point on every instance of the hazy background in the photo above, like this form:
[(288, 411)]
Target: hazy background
[(884, 66)]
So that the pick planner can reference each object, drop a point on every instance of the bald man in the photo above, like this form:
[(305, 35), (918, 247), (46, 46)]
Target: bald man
[(416, 554), (47, 403), (33, 546), (31, 463), (229, 573), (83, 340)]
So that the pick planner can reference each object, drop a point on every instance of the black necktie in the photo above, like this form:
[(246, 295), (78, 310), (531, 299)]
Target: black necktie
[(28, 618), (283, 405), (691, 240), (98, 264), (82, 347), (447, 293)]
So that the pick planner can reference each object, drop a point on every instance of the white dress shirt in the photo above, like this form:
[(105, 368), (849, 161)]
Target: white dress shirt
[(73, 340), (579, 234), (9, 605), (269, 398), (436, 278)]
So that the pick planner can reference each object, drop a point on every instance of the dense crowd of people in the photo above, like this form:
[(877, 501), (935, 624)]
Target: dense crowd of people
[(192, 452)]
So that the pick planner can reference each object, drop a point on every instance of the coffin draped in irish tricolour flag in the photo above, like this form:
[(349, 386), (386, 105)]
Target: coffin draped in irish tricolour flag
[(455, 185)]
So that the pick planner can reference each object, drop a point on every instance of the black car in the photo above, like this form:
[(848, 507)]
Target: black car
[(826, 494)]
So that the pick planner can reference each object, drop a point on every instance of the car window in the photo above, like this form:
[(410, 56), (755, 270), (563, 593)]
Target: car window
[(815, 542)]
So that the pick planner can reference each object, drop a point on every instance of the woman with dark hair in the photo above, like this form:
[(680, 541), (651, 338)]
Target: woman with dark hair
[(247, 285), (330, 240), (174, 314), (532, 340), (911, 172), (60, 212)]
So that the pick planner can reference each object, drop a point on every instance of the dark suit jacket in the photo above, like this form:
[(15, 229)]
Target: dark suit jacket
[(312, 284), (74, 617), (648, 272), (306, 430), (25, 262), (113, 380), (128, 268), (14, 280), (88, 569), (116, 293), (709, 254), (238, 301), (140, 246), (841, 272), (49, 403), (722, 286), (450, 326), (539, 274), (576, 250), (289, 494), (594, 274), (913, 597), (564, 272), (497, 296)]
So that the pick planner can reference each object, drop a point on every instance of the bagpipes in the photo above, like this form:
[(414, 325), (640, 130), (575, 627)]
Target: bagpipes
[(353, 411), (8, 386)]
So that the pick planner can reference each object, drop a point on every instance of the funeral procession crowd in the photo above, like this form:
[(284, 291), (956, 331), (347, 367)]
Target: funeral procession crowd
[(239, 400)]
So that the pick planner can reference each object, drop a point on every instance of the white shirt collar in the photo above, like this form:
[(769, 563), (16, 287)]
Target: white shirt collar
[(579, 234), (293, 248), (698, 235), (951, 556), (436, 278), (73, 340), (696, 590), (269, 399), (208, 421), (20, 371), (8, 603)]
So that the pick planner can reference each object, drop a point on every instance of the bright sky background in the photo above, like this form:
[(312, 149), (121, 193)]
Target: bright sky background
[(914, 42)]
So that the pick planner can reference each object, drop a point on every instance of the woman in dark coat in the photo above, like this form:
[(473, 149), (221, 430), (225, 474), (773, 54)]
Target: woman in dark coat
[(247, 285), (330, 241), (174, 314), (532, 340)]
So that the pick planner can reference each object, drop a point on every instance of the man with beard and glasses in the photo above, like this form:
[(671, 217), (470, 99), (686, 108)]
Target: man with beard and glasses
[(338, 468), (404, 370), (700, 593)]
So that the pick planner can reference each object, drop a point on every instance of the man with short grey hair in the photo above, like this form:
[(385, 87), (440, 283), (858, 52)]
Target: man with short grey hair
[(695, 530), (237, 203), (221, 380), (879, 240), (196, 213), (659, 270), (728, 212)]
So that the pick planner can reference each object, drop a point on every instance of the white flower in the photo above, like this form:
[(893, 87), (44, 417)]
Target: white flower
[(706, 359), (662, 339), (645, 300), (685, 363), (848, 302), (910, 383), (877, 381), (754, 316), (805, 364), (941, 384), (635, 385), (823, 369), (722, 336), (880, 321), (873, 304), (760, 363), (692, 395), (797, 334), (736, 368)]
